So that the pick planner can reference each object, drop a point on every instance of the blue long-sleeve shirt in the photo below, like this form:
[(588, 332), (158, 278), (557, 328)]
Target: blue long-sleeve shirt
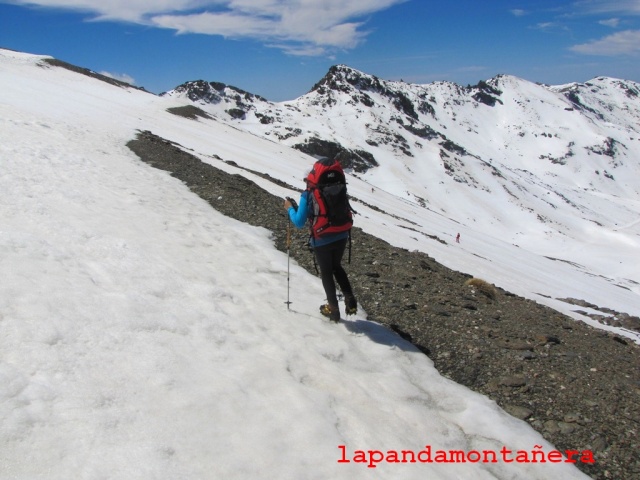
[(299, 219)]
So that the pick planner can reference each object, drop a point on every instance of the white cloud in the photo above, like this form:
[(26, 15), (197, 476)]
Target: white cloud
[(123, 77), (546, 25), (621, 43), (627, 7), (123, 10), (549, 26), (612, 22), (518, 12), (309, 27), (225, 24), (319, 33)]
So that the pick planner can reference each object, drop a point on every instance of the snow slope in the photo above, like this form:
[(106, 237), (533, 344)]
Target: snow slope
[(144, 336)]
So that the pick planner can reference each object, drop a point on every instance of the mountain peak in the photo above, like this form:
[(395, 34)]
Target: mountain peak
[(212, 92), (345, 79)]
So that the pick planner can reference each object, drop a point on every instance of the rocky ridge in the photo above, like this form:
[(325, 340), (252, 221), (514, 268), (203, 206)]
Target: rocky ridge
[(578, 386), (406, 116)]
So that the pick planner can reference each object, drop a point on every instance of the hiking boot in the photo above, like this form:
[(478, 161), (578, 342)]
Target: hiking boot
[(350, 304), (331, 312)]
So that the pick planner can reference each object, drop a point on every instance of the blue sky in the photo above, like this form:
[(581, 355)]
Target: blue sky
[(280, 48)]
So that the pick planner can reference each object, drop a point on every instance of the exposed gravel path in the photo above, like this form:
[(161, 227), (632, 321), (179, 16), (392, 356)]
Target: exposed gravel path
[(578, 386)]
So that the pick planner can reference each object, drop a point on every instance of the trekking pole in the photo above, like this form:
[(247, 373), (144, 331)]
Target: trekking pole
[(295, 206), (288, 302)]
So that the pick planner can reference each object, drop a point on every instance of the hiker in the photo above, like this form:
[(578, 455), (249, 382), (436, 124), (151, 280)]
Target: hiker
[(458, 238), (330, 231)]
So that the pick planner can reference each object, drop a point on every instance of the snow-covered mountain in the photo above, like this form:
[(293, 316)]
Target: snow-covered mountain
[(143, 335), (538, 148), (505, 120), (554, 170)]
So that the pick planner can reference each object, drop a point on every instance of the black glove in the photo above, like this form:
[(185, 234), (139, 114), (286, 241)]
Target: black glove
[(293, 203)]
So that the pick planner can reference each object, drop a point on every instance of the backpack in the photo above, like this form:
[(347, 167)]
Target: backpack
[(330, 211)]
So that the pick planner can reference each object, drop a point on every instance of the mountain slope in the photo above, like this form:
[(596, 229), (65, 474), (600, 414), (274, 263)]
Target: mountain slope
[(551, 170), (144, 334)]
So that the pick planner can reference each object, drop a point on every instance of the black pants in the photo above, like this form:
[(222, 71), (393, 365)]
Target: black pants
[(329, 258)]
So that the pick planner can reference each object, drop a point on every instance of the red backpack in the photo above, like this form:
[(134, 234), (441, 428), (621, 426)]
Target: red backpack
[(330, 211)]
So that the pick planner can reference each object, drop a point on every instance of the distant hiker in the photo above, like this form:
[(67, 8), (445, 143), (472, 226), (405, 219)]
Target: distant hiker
[(458, 238), (325, 205)]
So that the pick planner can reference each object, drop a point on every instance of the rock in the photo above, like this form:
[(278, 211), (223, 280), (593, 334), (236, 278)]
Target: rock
[(545, 339), (513, 381), (551, 426), (527, 355), (514, 344), (571, 418), (538, 425), (566, 428), (519, 412), (627, 321), (599, 444)]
